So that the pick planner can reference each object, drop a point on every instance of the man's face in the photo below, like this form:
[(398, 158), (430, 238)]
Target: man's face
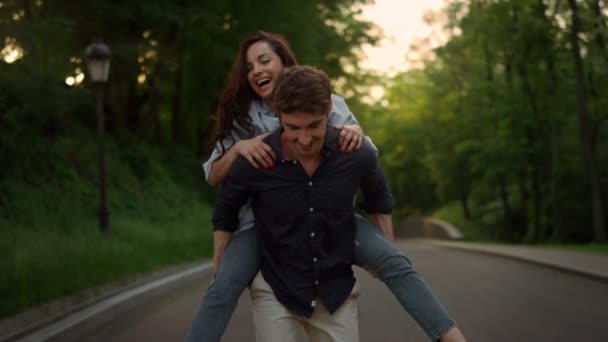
[(304, 133)]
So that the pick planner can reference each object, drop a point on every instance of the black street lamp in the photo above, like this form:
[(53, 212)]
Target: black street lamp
[(97, 56)]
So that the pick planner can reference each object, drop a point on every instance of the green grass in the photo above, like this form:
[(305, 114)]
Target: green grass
[(453, 213), (46, 264), (595, 248), (49, 237), (474, 232)]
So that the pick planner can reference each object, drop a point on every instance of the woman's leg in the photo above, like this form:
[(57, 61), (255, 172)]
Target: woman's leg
[(375, 252), (240, 264)]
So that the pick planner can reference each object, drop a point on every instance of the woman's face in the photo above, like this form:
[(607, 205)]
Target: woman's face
[(264, 67)]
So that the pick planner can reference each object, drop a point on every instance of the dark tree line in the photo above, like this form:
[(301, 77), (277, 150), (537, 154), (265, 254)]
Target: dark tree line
[(170, 58)]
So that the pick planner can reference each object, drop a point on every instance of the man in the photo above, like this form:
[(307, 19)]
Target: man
[(305, 219)]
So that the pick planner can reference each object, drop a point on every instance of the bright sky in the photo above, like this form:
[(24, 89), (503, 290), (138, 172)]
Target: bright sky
[(402, 23)]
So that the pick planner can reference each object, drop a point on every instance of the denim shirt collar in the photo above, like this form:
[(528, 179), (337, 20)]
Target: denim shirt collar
[(262, 108)]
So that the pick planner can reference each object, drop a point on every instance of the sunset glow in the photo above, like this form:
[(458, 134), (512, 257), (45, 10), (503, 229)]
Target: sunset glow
[(402, 23)]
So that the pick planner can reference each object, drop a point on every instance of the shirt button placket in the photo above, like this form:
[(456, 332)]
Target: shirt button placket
[(312, 235)]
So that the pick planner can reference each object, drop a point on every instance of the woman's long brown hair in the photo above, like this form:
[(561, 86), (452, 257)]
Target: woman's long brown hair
[(238, 95)]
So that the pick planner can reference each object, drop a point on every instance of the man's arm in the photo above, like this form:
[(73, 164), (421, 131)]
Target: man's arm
[(385, 223), (378, 202), (221, 239), (232, 196)]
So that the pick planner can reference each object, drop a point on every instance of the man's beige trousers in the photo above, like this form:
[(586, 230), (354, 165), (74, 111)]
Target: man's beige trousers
[(274, 323)]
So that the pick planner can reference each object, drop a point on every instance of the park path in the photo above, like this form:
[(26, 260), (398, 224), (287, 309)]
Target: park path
[(492, 298)]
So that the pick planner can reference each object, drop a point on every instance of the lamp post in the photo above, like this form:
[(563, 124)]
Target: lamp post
[(97, 56)]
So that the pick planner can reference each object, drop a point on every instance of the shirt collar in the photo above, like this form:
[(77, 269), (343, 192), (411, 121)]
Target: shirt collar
[(330, 145), (263, 108)]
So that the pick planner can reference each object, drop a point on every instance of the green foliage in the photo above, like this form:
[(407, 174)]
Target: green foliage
[(40, 265), (48, 221), (184, 49), (491, 123), (471, 230)]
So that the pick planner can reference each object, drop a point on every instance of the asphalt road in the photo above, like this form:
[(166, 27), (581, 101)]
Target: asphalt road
[(492, 298)]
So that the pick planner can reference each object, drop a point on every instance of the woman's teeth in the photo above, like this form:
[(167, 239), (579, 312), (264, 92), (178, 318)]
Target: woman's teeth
[(263, 82)]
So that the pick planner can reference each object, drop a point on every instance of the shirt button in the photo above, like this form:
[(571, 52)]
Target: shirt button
[(314, 259), (316, 282), (309, 183), (312, 234), (295, 161), (311, 209)]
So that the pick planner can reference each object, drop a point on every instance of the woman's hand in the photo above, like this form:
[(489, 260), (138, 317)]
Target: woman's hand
[(258, 153), (351, 137)]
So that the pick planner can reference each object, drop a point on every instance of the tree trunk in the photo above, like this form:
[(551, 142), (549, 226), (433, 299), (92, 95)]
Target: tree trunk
[(464, 199), (148, 126), (599, 229), (599, 28), (504, 199), (555, 225), (524, 194), (27, 9), (132, 108), (556, 217), (533, 134), (536, 211), (177, 118)]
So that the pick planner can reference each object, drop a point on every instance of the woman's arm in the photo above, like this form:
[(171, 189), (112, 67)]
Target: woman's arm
[(255, 150)]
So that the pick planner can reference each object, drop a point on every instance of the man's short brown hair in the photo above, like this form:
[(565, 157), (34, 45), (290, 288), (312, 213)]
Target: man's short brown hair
[(302, 89)]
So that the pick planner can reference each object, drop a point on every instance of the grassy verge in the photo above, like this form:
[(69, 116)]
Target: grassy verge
[(595, 248), (453, 213), (474, 232), (44, 265), (49, 236)]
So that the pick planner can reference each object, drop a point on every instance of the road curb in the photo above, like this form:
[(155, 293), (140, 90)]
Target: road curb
[(66, 320), (588, 273)]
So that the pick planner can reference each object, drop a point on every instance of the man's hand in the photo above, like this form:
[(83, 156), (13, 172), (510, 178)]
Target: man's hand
[(371, 272), (385, 223), (221, 239)]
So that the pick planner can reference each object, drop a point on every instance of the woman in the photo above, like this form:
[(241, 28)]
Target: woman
[(244, 119)]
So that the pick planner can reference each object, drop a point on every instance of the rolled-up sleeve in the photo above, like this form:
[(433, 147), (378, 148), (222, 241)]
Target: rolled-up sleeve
[(377, 197), (237, 134), (341, 115), (218, 151), (233, 194)]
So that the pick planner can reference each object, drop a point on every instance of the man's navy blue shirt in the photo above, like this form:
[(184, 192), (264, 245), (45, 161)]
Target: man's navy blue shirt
[(305, 224)]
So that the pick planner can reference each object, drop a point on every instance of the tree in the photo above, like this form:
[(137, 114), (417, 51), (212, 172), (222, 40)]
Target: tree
[(599, 226)]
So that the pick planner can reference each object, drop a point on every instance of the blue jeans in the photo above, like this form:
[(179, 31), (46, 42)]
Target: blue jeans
[(241, 262)]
